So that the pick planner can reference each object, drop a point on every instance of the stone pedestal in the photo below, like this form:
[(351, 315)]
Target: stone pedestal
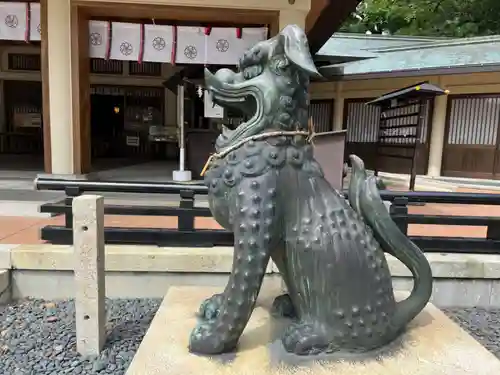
[(433, 345), (182, 176), (90, 284)]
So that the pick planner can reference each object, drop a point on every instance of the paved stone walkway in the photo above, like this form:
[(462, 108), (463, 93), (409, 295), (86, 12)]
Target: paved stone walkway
[(453, 210), (22, 230)]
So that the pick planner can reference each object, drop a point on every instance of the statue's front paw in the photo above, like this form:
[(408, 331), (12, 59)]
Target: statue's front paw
[(205, 339), (209, 308)]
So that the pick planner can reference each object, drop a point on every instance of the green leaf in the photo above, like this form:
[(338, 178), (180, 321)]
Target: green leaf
[(453, 18)]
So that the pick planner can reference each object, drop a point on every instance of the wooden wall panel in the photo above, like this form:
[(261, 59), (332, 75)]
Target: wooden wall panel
[(80, 80), (472, 136), (47, 151)]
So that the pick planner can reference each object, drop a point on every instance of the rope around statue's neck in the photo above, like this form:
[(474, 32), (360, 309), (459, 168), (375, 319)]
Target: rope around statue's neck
[(219, 155)]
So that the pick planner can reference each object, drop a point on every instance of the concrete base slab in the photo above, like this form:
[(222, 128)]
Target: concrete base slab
[(433, 345), (46, 271), (5, 290)]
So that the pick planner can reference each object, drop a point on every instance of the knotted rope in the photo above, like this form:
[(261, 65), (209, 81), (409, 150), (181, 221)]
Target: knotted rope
[(219, 155)]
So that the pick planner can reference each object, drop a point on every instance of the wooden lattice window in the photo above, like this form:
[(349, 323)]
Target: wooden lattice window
[(474, 120), (101, 66), (24, 61), (150, 69), (321, 112), (361, 121)]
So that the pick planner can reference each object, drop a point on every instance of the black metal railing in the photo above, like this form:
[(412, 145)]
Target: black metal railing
[(187, 235), (488, 245), (184, 235)]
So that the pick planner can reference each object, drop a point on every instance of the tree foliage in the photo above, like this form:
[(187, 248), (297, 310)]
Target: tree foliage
[(453, 18)]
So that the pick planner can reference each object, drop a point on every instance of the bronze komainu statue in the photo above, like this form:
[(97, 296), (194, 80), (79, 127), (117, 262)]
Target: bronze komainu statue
[(265, 186)]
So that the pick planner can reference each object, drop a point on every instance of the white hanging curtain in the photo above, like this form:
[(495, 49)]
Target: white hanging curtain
[(136, 42), (35, 22), (191, 45), (223, 46), (126, 42), (13, 21), (158, 43), (98, 39)]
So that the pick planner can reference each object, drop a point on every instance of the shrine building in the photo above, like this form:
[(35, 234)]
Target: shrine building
[(84, 82), (89, 86)]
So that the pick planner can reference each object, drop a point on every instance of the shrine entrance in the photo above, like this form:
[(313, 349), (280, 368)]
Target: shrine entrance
[(22, 134), (151, 45), (137, 33), (21, 126), (107, 122), (124, 122)]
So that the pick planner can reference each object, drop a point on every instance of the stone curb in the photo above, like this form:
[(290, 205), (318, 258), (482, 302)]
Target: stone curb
[(5, 292), (131, 258)]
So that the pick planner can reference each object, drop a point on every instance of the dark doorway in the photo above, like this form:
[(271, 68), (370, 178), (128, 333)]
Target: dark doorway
[(107, 124), (23, 133)]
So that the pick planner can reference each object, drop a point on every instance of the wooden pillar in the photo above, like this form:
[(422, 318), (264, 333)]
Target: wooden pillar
[(292, 17), (338, 111), (80, 80), (58, 34), (437, 139), (44, 54), (274, 26)]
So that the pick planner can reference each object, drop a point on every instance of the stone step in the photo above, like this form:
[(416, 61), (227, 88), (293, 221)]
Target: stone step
[(4, 286)]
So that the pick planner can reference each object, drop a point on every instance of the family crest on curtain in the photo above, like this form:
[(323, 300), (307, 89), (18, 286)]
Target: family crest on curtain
[(20, 21), (171, 44)]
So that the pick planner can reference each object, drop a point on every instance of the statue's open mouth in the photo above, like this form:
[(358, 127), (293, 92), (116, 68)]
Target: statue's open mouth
[(232, 91)]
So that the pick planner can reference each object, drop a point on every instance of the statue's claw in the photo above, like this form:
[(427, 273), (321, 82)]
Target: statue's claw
[(210, 308)]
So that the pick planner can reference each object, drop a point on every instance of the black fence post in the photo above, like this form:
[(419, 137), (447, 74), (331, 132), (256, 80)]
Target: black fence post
[(186, 219), (493, 231), (71, 192), (399, 213)]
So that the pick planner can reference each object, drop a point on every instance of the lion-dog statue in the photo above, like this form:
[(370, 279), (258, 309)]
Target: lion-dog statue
[(265, 185)]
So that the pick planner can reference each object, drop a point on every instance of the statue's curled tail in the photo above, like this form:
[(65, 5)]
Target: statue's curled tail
[(365, 199)]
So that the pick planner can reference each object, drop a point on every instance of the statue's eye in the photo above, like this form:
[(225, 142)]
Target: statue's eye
[(279, 64)]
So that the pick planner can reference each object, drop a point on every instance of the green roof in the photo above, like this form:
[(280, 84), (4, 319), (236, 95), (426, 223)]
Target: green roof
[(339, 49), (363, 43), (455, 53)]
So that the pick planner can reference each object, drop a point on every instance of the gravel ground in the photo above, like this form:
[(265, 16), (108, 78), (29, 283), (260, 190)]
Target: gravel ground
[(38, 337), (482, 324)]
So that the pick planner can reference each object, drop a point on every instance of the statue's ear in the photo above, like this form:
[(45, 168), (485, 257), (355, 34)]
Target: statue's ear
[(296, 48)]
